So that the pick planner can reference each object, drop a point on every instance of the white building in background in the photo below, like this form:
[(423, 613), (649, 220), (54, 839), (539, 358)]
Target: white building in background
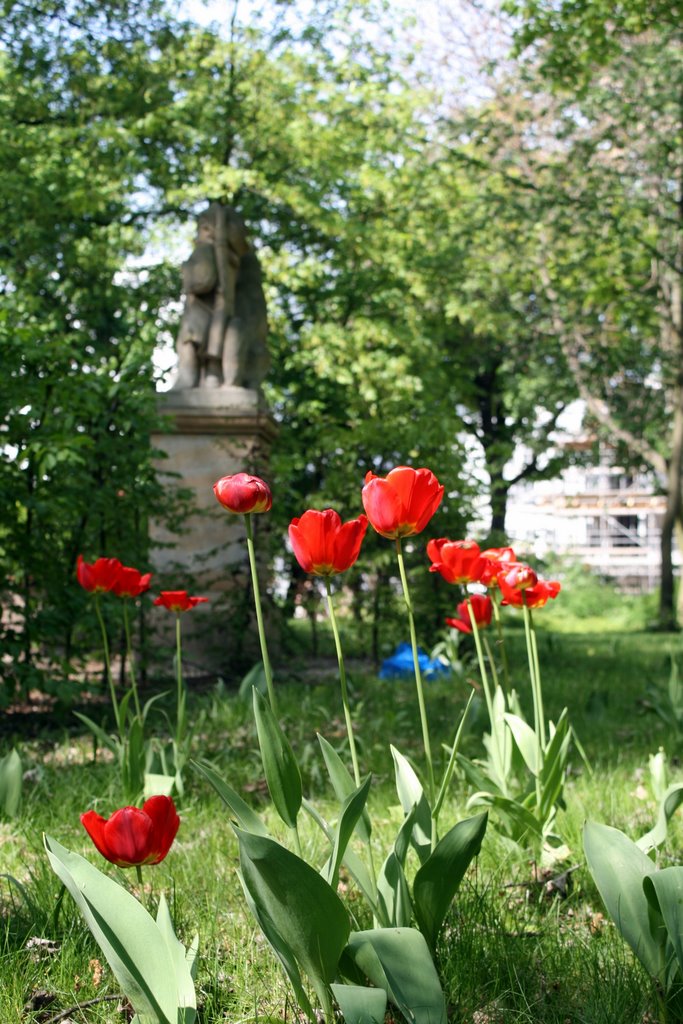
[(605, 518)]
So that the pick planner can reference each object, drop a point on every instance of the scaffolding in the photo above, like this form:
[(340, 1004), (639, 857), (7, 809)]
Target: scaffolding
[(606, 519)]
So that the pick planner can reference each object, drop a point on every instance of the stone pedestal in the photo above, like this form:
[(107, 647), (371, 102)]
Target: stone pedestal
[(212, 433)]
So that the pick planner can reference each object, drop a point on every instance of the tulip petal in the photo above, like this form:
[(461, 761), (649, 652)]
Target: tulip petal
[(347, 543), (165, 823), (128, 835), (94, 823), (407, 484), (464, 627), (383, 507), (299, 544)]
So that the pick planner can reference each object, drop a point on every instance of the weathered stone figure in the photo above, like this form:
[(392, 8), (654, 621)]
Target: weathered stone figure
[(222, 335)]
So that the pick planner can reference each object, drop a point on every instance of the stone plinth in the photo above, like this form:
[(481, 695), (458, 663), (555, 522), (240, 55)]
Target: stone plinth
[(212, 433)]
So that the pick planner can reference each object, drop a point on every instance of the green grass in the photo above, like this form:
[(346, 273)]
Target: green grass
[(511, 951)]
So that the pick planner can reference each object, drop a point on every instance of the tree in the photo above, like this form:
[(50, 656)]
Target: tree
[(611, 242), (177, 115), (582, 130), (77, 83)]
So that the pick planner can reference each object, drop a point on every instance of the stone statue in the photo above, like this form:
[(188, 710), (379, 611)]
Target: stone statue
[(223, 329)]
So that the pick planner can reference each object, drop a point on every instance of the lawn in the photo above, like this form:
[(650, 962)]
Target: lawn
[(518, 945)]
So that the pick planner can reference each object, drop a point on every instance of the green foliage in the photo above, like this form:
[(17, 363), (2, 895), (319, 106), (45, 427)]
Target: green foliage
[(644, 904), (78, 327), (11, 780), (154, 970)]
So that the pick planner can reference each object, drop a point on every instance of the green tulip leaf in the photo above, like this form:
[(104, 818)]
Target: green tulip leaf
[(671, 801), (526, 740), (343, 784), (618, 868), (102, 737), (351, 811), (254, 679), (158, 785), (411, 794), (664, 893), (351, 860), (393, 894), (245, 817), (398, 960), (305, 912), (477, 778), (185, 960), (279, 764), (439, 878), (155, 979), (282, 951), (518, 821), (554, 766), (361, 1005), (11, 779)]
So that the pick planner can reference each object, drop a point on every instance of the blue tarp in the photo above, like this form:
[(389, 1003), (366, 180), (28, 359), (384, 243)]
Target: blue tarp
[(400, 664)]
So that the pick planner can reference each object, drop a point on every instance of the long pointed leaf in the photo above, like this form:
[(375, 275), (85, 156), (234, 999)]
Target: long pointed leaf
[(411, 794), (11, 778), (398, 960), (246, 818), (343, 784), (664, 893), (393, 893), (279, 764), (281, 949), (351, 811), (351, 860), (618, 868), (306, 912), (361, 1005), (671, 801), (128, 936), (439, 878)]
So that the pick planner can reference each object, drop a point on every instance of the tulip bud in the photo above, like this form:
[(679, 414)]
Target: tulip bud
[(520, 577), (243, 494)]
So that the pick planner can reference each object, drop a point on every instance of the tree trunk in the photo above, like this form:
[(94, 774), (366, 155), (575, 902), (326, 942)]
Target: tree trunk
[(499, 500)]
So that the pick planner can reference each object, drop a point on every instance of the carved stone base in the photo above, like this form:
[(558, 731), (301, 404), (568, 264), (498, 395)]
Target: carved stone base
[(212, 433)]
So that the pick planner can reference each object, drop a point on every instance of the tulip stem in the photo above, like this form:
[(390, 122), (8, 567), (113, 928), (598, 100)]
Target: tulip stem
[(539, 719), (492, 663), (500, 642), (180, 690), (418, 676), (450, 767), (259, 614), (107, 664), (342, 680), (498, 734), (532, 653), (131, 660), (482, 663)]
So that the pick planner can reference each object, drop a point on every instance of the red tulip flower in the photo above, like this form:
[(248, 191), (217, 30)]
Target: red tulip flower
[(99, 576), (131, 583), (482, 609), (535, 596), (134, 836), (178, 600), (402, 503), (243, 494), (517, 576), (323, 545), (498, 560), (458, 561)]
